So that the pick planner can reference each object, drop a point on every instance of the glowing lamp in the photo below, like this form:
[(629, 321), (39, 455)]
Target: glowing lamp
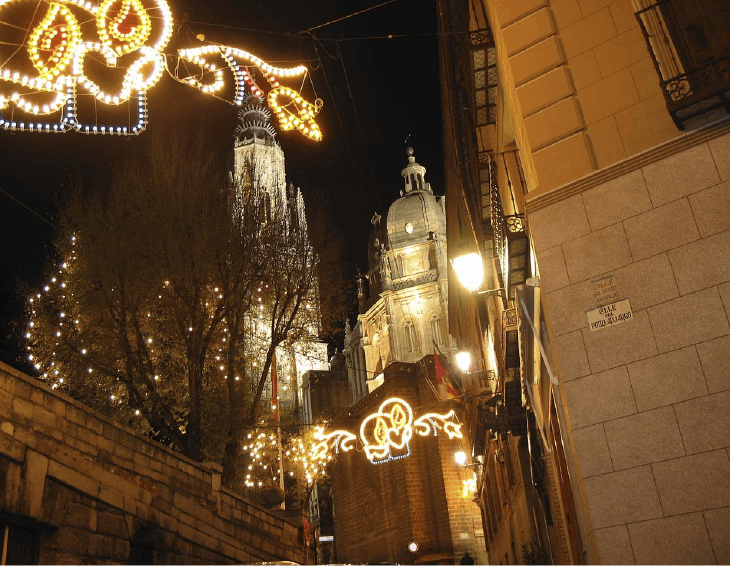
[(469, 269), (460, 457), (463, 361)]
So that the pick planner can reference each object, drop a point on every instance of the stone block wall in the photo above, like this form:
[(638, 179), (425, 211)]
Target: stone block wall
[(647, 400), (94, 489), (581, 85)]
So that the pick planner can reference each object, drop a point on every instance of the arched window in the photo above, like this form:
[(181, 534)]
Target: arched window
[(411, 337), (437, 330)]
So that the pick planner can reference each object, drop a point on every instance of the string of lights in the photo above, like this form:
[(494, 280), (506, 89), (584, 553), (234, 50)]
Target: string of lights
[(58, 53)]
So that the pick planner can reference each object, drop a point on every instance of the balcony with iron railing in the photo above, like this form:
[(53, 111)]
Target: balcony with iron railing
[(510, 240), (691, 52)]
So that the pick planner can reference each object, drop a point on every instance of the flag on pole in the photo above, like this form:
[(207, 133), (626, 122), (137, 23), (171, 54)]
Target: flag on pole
[(446, 386), (274, 388)]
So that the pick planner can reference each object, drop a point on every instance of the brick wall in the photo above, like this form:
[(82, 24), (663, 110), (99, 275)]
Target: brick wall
[(380, 508), (91, 487), (648, 400)]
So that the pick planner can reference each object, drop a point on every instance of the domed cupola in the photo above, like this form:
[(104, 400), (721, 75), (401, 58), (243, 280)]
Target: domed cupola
[(418, 215), (414, 175), (255, 122)]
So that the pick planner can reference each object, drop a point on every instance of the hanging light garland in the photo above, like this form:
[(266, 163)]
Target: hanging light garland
[(125, 29), (293, 112), (111, 30), (57, 50), (58, 35), (385, 436)]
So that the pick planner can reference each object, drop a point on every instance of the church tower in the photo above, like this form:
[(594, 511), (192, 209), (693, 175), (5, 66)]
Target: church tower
[(403, 295), (259, 167), (382, 513), (258, 158)]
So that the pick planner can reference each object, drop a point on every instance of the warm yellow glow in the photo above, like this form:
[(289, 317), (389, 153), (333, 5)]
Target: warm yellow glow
[(431, 423), (302, 120), (57, 50), (469, 487), (469, 269), (128, 26), (463, 361), (460, 457), (386, 434), (339, 440), (132, 35), (57, 36), (293, 112)]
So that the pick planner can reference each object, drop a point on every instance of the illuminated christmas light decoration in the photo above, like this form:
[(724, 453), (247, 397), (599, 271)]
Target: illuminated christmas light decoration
[(337, 440), (57, 51), (58, 35), (431, 423), (129, 27), (141, 29), (386, 434), (303, 120), (303, 113)]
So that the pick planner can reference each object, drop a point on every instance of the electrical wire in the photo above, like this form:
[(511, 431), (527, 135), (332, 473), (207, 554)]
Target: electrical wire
[(359, 128), (380, 37), (239, 28), (352, 420), (348, 16), (28, 208), (342, 127)]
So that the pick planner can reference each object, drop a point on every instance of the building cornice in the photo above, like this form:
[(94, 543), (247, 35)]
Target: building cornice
[(676, 145)]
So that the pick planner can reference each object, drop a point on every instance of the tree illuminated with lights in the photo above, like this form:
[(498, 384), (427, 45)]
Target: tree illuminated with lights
[(170, 297)]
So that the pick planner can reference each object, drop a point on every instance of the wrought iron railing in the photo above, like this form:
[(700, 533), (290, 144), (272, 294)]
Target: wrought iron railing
[(508, 229), (695, 88)]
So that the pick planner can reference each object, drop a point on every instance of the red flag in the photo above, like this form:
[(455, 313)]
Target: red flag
[(446, 387), (274, 388)]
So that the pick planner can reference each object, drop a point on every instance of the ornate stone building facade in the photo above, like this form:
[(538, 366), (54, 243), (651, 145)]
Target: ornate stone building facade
[(415, 506), (403, 295)]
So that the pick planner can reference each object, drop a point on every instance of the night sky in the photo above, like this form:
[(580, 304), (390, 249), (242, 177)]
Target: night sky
[(377, 91)]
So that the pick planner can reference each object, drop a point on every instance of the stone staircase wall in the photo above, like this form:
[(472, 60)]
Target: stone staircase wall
[(95, 490)]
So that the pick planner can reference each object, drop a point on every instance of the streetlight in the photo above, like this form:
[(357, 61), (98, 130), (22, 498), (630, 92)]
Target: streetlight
[(461, 459), (469, 269), (463, 361)]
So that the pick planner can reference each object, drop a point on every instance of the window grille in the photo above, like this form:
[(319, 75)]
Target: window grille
[(484, 64)]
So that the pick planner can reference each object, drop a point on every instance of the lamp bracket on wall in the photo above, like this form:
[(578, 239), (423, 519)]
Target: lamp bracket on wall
[(491, 293)]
